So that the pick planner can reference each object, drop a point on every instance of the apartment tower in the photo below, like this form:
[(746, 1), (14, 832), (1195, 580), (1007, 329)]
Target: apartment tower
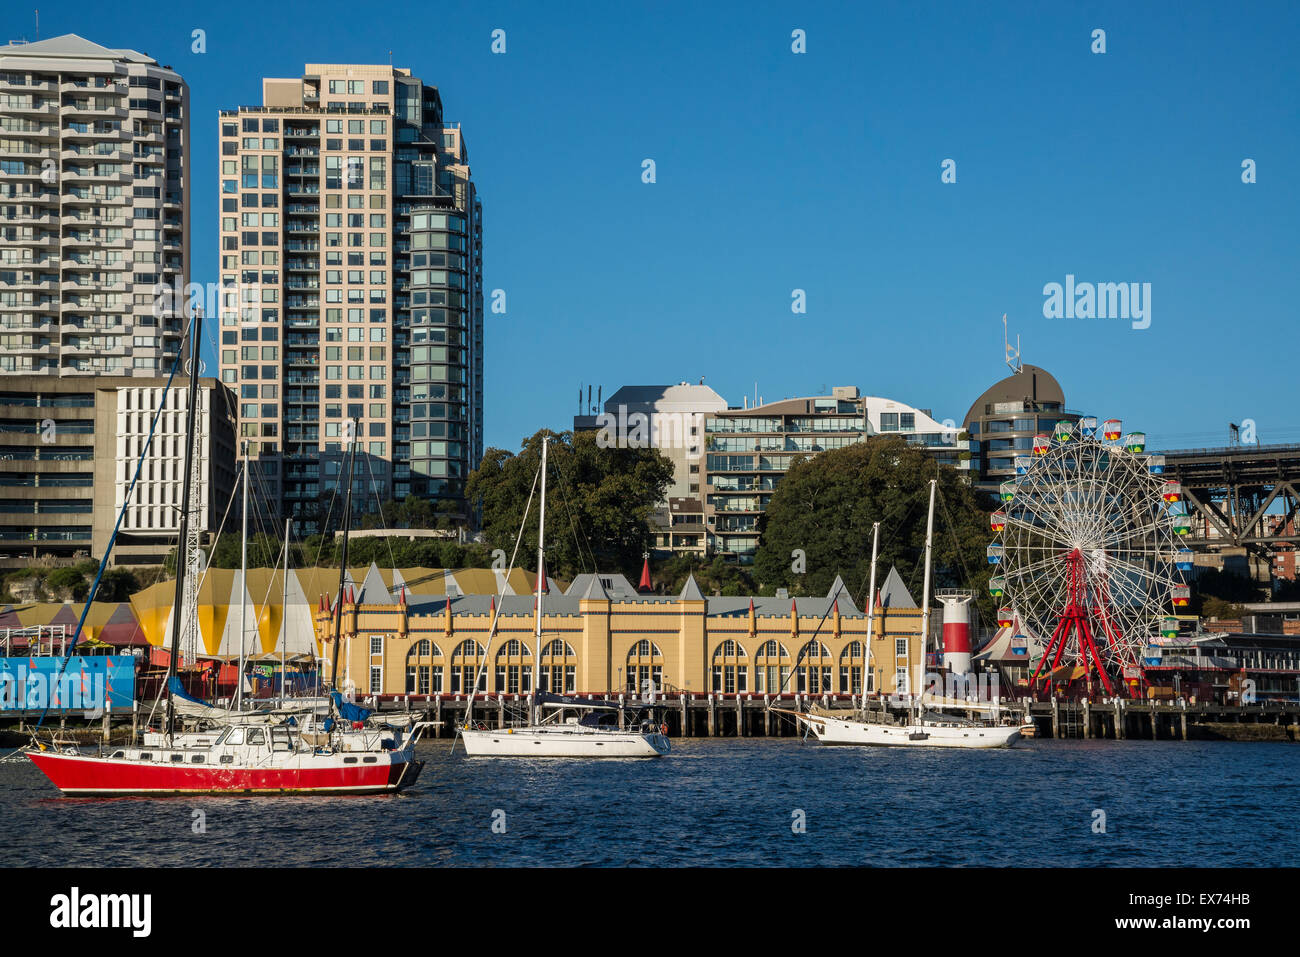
[(94, 168), (352, 310)]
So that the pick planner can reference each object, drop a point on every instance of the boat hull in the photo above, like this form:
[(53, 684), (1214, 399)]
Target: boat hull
[(563, 743), (829, 730), (89, 775)]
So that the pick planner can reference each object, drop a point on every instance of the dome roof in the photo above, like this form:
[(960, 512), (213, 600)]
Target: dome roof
[(1030, 384)]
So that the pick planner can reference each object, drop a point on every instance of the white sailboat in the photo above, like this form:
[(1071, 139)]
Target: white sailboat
[(921, 728), (593, 735)]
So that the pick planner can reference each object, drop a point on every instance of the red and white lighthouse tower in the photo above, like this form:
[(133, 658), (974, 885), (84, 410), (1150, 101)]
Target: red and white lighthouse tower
[(956, 629)]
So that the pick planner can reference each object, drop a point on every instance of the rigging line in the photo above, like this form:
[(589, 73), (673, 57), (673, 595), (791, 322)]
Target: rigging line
[(492, 628), (108, 550), (388, 539), (886, 539), (830, 606), (956, 545), (575, 526), (320, 546)]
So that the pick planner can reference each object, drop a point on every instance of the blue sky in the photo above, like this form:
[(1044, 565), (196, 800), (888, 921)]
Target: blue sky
[(821, 172)]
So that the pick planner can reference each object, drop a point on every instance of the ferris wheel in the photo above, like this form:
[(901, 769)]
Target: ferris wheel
[(1088, 553)]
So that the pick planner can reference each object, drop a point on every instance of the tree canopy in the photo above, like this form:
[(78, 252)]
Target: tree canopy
[(824, 507), (598, 502)]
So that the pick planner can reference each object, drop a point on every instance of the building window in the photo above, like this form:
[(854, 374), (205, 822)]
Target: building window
[(376, 680)]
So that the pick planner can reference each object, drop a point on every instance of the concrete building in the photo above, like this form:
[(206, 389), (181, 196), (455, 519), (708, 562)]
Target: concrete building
[(748, 450), (671, 419), (1003, 421), (351, 246), (68, 452), (94, 174)]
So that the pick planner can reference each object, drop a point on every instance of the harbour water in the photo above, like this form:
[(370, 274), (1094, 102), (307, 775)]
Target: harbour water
[(717, 802)]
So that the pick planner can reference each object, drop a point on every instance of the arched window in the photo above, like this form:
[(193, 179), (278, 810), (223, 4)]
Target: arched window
[(514, 668), (558, 671), (772, 668), (813, 676), (465, 662), (853, 667), (645, 664), (730, 670), (558, 649), (422, 675)]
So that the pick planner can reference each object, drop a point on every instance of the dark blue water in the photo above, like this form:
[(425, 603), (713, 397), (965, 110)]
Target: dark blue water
[(719, 802)]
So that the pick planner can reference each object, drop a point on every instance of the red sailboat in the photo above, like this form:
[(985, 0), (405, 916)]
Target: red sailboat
[(341, 755)]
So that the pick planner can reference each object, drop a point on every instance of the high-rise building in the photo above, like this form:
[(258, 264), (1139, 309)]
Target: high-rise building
[(351, 256), (94, 169)]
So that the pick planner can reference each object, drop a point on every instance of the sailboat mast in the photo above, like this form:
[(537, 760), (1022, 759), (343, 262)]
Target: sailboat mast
[(871, 611), (541, 587), (284, 610), (350, 458), (243, 586), (191, 420), (925, 598)]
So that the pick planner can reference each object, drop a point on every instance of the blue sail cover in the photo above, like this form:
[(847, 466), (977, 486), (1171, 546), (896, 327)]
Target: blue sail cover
[(176, 690), (348, 711)]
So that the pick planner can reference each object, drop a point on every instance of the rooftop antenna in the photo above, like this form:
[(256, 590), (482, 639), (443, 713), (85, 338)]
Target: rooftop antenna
[(1012, 355)]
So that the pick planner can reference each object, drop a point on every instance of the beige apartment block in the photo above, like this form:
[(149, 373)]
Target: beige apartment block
[(351, 239)]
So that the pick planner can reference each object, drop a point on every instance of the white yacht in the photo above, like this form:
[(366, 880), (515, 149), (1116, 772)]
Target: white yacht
[(597, 733), (927, 730), (921, 728)]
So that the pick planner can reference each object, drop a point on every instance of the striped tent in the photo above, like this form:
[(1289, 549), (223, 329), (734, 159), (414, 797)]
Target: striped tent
[(273, 623)]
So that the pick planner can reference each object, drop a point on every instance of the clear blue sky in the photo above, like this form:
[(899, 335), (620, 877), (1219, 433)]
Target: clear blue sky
[(821, 171)]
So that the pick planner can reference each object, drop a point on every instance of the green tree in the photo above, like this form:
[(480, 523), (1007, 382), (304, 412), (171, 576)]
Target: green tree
[(820, 517), (71, 578), (598, 501)]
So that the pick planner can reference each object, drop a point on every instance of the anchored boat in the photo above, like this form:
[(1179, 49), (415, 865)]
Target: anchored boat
[(595, 734), (343, 756), (240, 760), (921, 728), (600, 732)]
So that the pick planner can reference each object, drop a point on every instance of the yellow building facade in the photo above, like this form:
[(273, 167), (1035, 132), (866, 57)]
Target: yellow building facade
[(596, 643)]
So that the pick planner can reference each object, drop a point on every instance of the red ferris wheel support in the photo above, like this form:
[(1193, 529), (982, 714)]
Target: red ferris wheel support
[(1074, 621)]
